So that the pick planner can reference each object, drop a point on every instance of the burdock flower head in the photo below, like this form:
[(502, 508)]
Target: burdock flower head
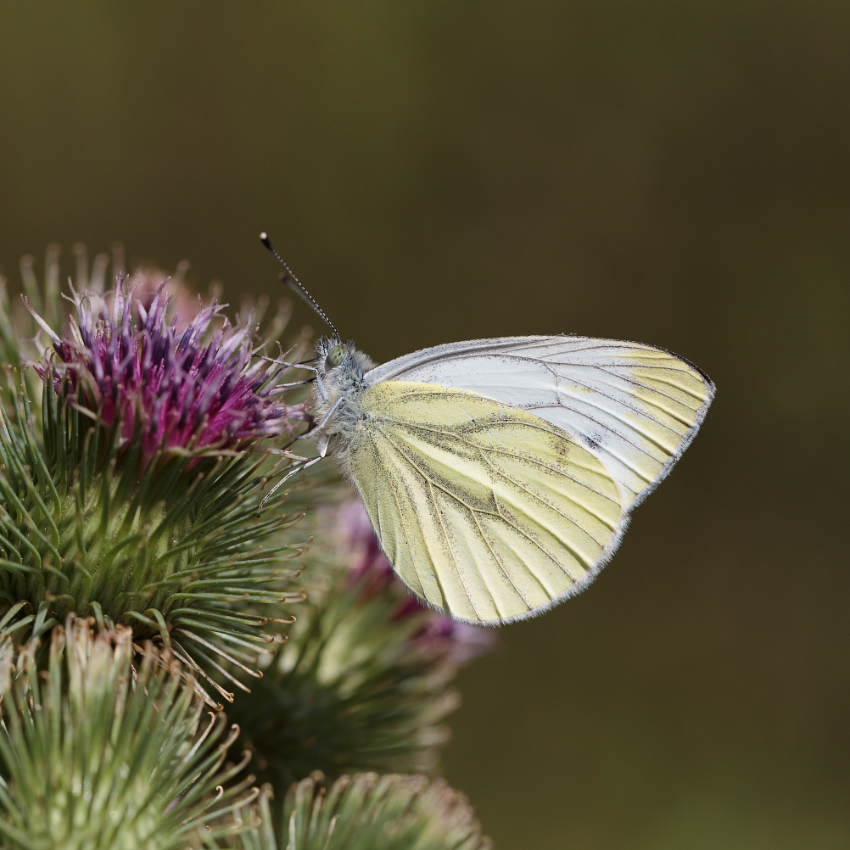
[(193, 388), (134, 494)]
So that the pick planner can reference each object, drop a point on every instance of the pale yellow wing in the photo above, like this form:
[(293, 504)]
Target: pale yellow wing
[(483, 509)]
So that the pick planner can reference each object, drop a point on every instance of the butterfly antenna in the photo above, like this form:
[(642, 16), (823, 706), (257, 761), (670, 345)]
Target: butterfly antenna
[(296, 286)]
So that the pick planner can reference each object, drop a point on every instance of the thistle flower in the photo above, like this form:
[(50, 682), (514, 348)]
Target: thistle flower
[(363, 683), (133, 493), (95, 754), (367, 812), (169, 389)]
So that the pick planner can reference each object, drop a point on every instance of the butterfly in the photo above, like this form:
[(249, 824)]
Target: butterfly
[(500, 474)]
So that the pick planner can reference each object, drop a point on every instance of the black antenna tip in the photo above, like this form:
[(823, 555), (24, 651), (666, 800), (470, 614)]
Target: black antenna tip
[(294, 284)]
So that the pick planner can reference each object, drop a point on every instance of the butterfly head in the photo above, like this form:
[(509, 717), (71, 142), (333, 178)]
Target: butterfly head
[(335, 356), (339, 365), (331, 353)]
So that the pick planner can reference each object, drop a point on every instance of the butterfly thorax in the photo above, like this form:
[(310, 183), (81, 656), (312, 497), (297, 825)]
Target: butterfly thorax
[(340, 382)]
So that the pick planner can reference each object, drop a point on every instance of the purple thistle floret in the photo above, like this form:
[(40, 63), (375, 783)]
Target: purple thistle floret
[(194, 388), (371, 571)]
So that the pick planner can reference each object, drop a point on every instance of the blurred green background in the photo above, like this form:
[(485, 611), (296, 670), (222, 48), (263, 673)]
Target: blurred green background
[(674, 173)]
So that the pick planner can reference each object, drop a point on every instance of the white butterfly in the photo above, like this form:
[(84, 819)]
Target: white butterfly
[(499, 474)]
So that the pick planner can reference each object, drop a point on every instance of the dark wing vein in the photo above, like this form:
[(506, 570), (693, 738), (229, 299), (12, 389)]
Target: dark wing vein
[(543, 501)]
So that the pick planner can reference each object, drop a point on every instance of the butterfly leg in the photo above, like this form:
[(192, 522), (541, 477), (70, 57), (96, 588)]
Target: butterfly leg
[(320, 386), (316, 429), (300, 468), (325, 419)]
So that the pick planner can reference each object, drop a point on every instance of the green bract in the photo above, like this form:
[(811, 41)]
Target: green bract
[(176, 552)]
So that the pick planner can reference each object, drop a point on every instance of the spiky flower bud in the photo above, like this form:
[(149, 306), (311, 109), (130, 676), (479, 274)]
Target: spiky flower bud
[(363, 683), (96, 754), (367, 812), (132, 492)]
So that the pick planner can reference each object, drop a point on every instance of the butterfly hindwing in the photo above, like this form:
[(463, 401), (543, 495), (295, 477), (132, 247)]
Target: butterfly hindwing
[(635, 406), (483, 509)]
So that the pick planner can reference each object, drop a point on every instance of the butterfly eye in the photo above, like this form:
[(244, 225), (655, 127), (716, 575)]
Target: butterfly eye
[(335, 356)]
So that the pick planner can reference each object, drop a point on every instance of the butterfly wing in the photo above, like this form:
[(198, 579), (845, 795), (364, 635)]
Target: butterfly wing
[(483, 509), (634, 406)]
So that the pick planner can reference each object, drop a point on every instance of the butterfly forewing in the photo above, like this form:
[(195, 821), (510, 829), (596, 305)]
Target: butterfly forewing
[(634, 406), (484, 509)]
